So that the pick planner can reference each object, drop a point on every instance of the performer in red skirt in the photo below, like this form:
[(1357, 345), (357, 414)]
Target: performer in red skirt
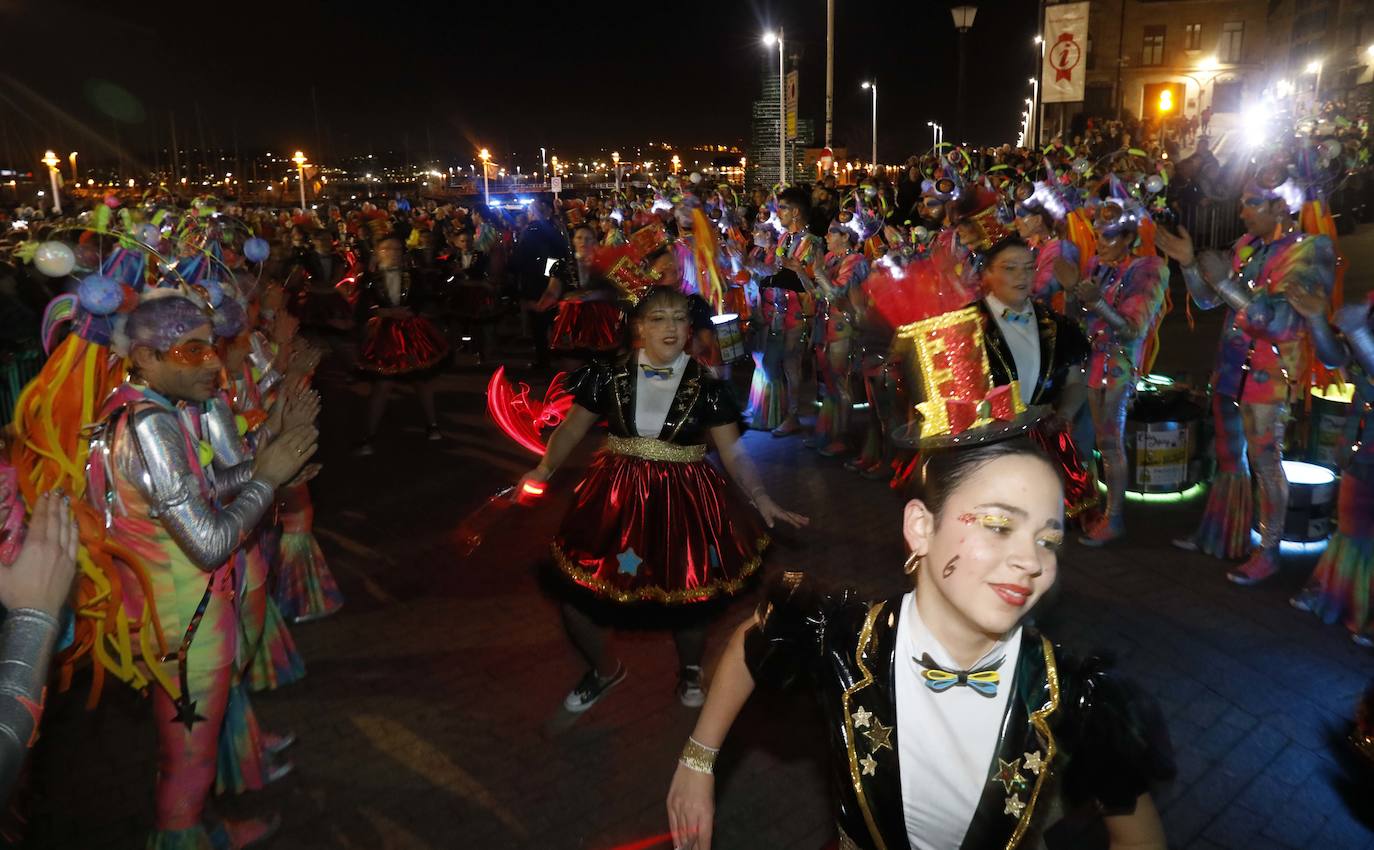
[(399, 344), (654, 521), (589, 323)]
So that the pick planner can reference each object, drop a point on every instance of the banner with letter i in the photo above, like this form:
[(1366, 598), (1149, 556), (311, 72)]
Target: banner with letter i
[(1066, 53)]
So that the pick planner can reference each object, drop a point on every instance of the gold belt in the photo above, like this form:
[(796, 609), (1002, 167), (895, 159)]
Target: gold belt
[(650, 449)]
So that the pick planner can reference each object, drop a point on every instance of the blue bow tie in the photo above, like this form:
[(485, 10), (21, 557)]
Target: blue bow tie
[(1012, 316), (654, 372), (984, 680)]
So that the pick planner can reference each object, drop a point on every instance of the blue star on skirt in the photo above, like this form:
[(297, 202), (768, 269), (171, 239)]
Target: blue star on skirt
[(629, 562)]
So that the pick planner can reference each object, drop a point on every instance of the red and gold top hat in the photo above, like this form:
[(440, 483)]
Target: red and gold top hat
[(960, 406)]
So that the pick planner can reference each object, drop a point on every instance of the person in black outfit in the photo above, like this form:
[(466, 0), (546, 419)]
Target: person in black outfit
[(537, 244)]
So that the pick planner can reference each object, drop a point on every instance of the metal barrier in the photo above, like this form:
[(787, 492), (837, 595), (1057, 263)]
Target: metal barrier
[(16, 370), (1215, 224)]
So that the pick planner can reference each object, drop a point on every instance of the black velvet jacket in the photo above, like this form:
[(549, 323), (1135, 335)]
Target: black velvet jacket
[(1087, 727), (1062, 345), (702, 402)]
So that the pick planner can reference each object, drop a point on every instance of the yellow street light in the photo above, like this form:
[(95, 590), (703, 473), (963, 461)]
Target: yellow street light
[(485, 156), (1166, 101), (300, 161), (51, 161)]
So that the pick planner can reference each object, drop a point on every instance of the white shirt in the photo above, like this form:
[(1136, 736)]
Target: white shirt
[(1023, 338), (392, 279), (654, 396), (945, 741)]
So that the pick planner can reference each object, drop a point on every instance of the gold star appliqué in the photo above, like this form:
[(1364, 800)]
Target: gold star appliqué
[(870, 765), (1014, 806), (1008, 773), (861, 718), (1035, 763), (879, 736)]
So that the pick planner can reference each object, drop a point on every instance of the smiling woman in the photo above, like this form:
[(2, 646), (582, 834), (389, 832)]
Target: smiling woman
[(952, 722)]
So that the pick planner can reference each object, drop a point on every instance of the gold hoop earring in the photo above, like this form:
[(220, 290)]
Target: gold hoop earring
[(913, 563)]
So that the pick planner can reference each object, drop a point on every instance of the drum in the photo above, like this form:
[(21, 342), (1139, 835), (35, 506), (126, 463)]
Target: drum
[(1326, 427), (729, 336), (1163, 441), (1311, 502)]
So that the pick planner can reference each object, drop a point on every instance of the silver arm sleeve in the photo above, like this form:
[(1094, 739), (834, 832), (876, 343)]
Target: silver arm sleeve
[(154, 458), (1203, 295), (1114, 320), (233, 465), (26, 644), (1353, 320)]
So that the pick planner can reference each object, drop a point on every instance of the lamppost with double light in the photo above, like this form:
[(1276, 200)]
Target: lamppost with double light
[(485, 156), (51, 161), (873, 86)]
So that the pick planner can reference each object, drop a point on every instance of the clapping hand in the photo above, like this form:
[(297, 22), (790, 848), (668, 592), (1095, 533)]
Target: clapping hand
[(302, 408), (278, 463), (41, 577), (305, 358), (1176, 247)]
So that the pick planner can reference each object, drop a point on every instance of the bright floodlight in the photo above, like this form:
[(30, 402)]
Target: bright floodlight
[(1255, 124), (866, 85), (1209, 64), (1038, 39), (770, 38), (1314, 66)]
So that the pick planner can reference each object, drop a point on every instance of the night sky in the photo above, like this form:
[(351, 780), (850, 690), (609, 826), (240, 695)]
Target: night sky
[(509, 75)]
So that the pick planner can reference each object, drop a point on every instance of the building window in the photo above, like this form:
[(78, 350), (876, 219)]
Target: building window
[(1192, 37), (1232, 40), (1152, 51)]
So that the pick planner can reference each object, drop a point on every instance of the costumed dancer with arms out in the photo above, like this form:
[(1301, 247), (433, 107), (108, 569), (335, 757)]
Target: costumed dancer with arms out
[(654, 521)]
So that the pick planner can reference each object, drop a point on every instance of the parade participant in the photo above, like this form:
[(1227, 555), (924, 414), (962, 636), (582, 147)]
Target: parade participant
[(472, 299), (1342, 585), (39, 564), (539, 245), (1261, 364), (399, 344), (173, 510), (1122, 296), (951, 722), (787, 306), (1038, 212), (1041, 351), (844, 272), (589, 322), (654, 521)]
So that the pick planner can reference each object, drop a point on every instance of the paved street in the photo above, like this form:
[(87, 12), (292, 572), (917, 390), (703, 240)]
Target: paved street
[(430, 719)]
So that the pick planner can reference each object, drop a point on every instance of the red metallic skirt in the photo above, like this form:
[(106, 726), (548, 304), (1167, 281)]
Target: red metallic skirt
[(394, 347), (585, 325), (1080, 485), (654, 521)]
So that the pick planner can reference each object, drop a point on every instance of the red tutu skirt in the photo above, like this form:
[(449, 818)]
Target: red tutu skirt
[(475, 301), (666, 531), (401, 346), (587, 326), (1080, 485)]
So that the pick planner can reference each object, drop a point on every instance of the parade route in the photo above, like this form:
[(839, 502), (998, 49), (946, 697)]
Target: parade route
[(430, 715)]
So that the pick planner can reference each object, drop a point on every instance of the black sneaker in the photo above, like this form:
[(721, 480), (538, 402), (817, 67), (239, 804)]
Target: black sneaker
[(689, 690), (590, 689)]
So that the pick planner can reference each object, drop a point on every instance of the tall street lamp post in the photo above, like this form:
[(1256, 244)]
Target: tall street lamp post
[(615, 158), (299, 159), (485, 156), (963, 22), (873, 87), (768, 40)]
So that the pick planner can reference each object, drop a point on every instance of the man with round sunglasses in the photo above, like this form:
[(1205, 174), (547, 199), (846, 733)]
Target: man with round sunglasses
[(183, 523), (1261, 364)]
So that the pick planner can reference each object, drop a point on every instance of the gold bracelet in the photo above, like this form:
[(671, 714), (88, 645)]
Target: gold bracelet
[(697, 756)]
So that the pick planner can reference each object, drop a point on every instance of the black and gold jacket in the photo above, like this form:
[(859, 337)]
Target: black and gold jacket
[(702, 401), (1073, 744), (1062, 346)]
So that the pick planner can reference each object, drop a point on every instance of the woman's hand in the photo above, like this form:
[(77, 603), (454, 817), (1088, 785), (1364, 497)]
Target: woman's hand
[(285, 456), (305, 358), (1087, 293), (771, 513), (1178, 248), (539, 475), (302, 408), (691, 808), (1066, 273), (41, 577)]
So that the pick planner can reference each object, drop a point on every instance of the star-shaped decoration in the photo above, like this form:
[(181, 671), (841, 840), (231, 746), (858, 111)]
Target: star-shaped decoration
[(186, 713), (1009, 774), (1035, 762), (879, 736), (1014, 806), (870, 765), (629, 562), (861, 718)]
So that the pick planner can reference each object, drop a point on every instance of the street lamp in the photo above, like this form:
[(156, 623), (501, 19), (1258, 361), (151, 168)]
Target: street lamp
[(768, 39), (72, 157), (1033, 128), (936, 131), (50, 160), (1315, 67), (485, 156), (963, 22), (677, 163), (873, 86), (299, 159), (615, 158)]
